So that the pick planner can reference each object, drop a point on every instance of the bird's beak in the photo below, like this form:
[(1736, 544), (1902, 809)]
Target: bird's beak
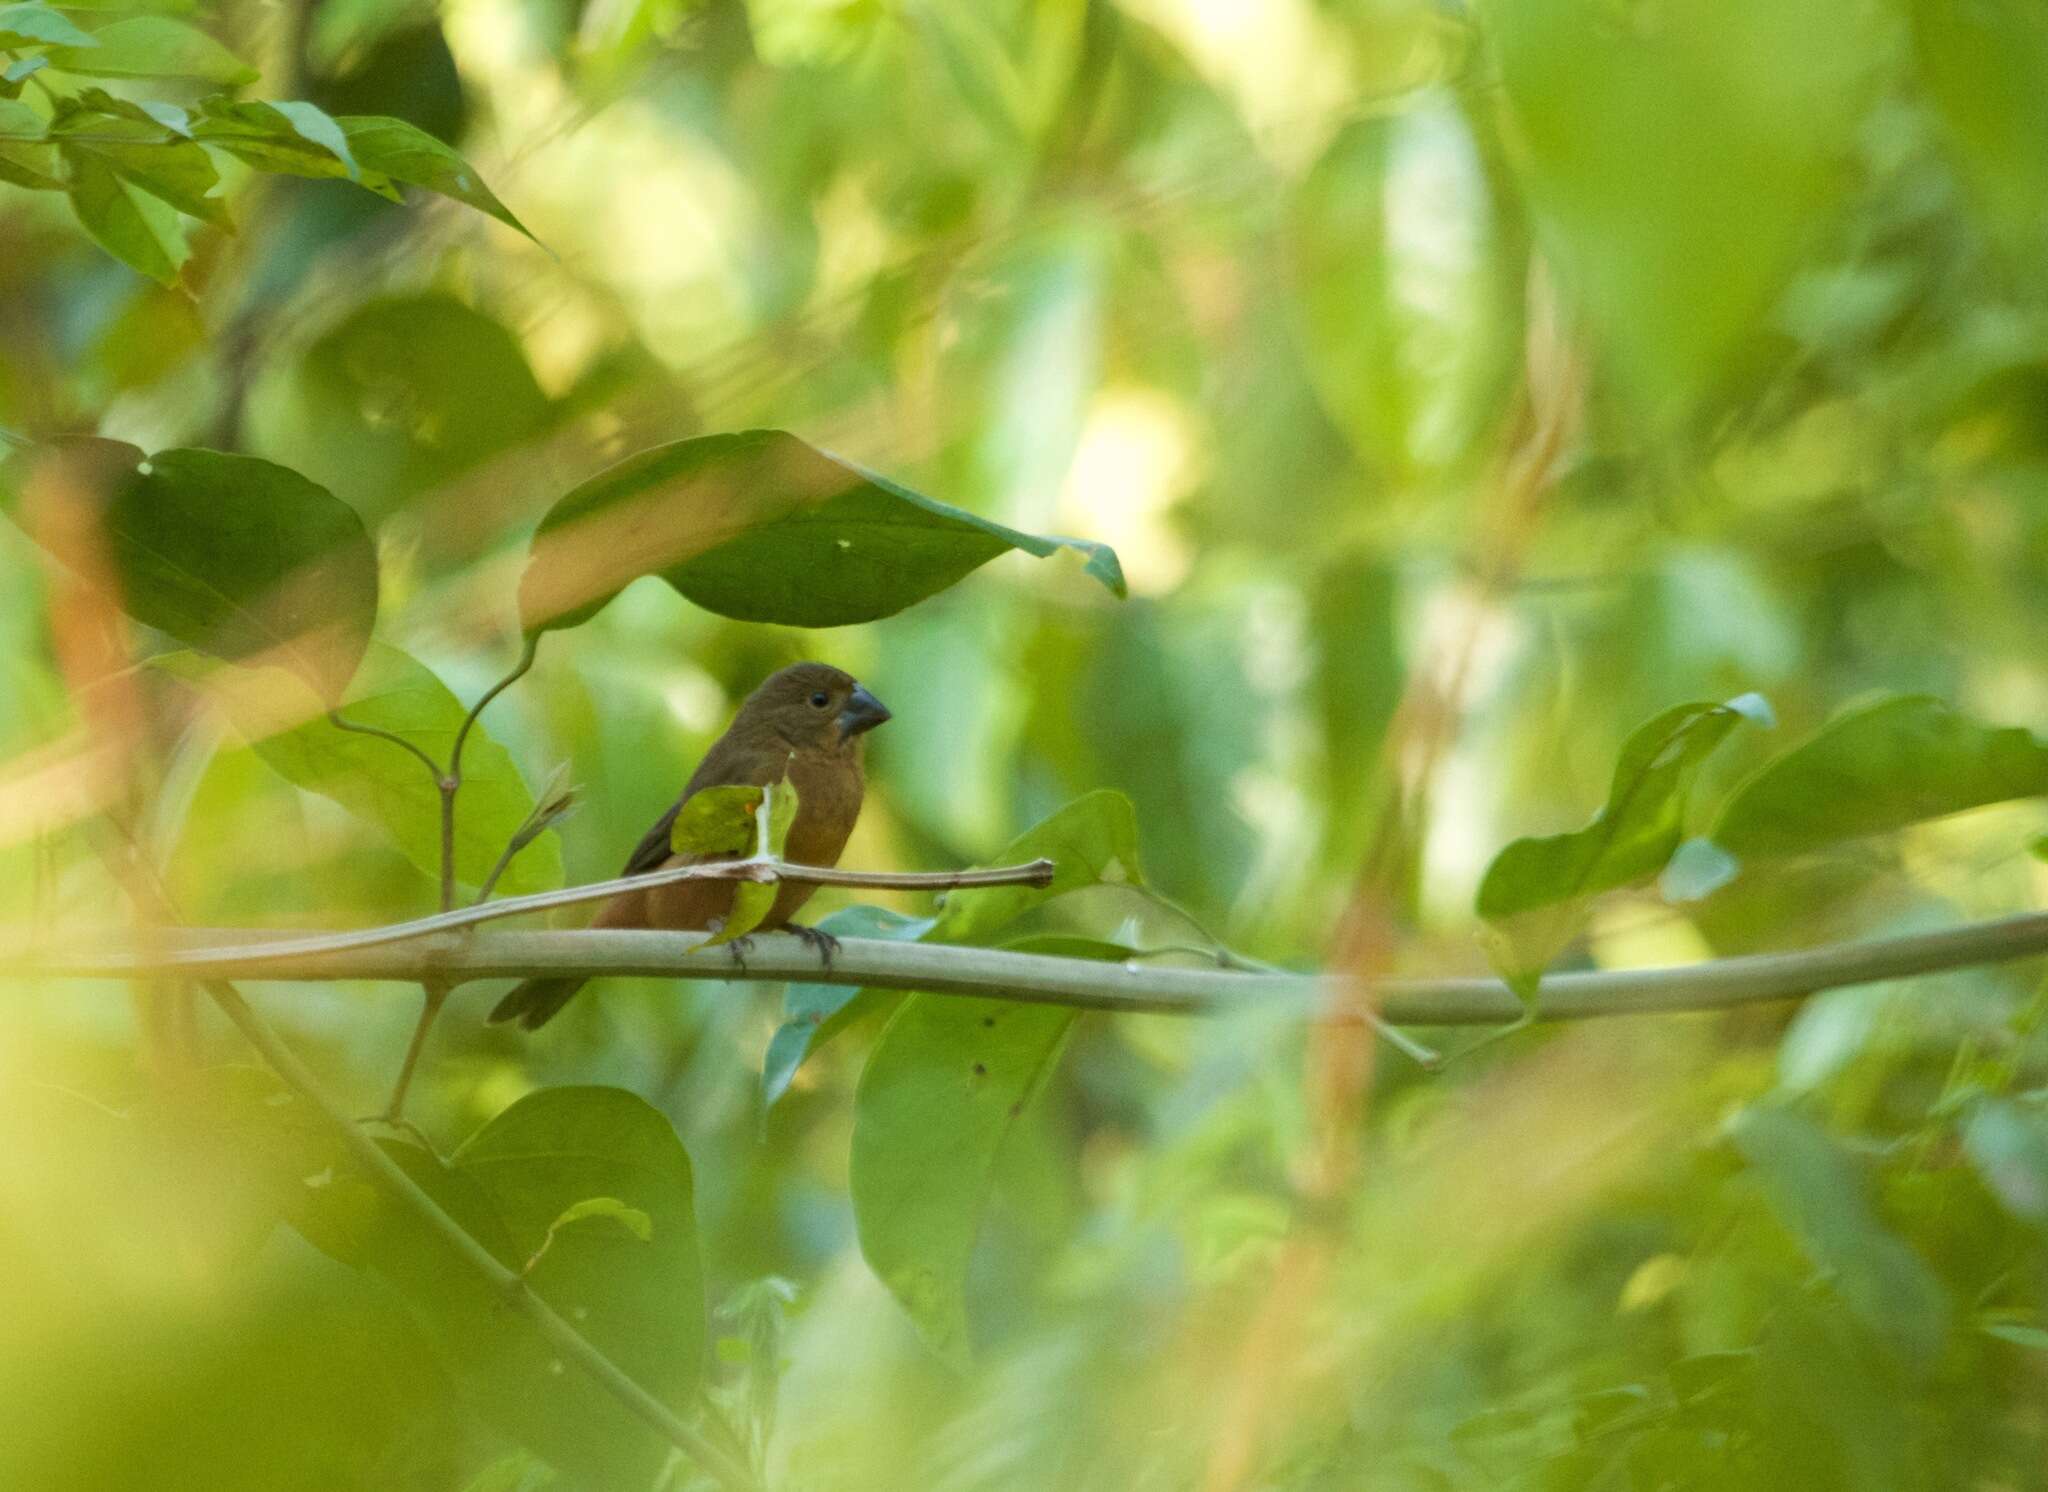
[(863, 713)]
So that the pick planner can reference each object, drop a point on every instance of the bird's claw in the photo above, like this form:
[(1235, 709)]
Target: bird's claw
[(739, 948), (821, 942)]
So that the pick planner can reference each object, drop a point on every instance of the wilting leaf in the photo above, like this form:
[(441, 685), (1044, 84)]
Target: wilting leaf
[(762, 527)]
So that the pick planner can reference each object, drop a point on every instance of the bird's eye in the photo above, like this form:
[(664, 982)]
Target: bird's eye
[(820, 700)]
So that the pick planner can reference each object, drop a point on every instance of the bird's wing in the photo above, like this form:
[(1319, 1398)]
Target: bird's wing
[(721, 767)]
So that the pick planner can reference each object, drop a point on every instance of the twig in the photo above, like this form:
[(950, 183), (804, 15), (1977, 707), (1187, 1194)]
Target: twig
[(1046, 979), (571, 1343), (1035, 873)]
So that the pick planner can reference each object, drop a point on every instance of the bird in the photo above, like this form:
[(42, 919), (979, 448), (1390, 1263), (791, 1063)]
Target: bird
[(807, 725)]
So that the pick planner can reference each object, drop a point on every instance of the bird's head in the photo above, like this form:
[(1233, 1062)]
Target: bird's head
[(812, 706)]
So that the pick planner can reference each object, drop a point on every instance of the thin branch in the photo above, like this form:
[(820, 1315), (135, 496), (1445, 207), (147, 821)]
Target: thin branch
[(571, 1343), (1045, 979), (1035, 873)]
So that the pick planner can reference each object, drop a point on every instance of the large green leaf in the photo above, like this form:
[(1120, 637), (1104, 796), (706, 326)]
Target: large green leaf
[(762, 527), (238, 557), (1815, 1188), (641, 1301), (378, 781), (1535, 890), (1681, 155), (1408, 336), (399, 397), (941, 1092), (153, 47), (1878, 767), (1984, 63)]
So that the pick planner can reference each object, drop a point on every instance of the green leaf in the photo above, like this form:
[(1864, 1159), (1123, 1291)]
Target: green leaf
[(298, 139), (147, 152), (813, 1013), (1681, 157), (1535, 890), (608, 1209), (37, 26), (1411, 379), (732, 821), (2032, 1337), (1092, 841), (18, 72), (944, 1088), (639, 1299), (378, 781), (21, 163), (393, 150), (762, 527), (1815, 1189), (135, 227), (2009, 1148), (1984, 64), (1876, 768), (153, 47), (233, 555)]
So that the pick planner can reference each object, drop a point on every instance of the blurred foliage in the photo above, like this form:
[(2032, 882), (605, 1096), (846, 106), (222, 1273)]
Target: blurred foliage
[(1460, 387)]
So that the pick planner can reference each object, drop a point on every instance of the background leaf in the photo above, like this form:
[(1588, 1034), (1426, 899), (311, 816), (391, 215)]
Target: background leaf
[(153, 47), (1535, 889), (941, 1092), (1875, 768), (378, 781), (238, 557)]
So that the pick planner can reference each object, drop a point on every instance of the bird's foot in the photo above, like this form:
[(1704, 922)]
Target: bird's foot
[(821, 942), (739, 948)]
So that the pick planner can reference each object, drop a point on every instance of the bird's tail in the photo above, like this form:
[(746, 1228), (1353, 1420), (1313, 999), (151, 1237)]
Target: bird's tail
[(534, 1002)]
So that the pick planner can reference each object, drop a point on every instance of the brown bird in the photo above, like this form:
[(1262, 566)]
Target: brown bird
[(807, 725)]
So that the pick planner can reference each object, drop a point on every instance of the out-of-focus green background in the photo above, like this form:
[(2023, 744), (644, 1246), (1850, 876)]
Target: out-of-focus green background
[(1460, 385)]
